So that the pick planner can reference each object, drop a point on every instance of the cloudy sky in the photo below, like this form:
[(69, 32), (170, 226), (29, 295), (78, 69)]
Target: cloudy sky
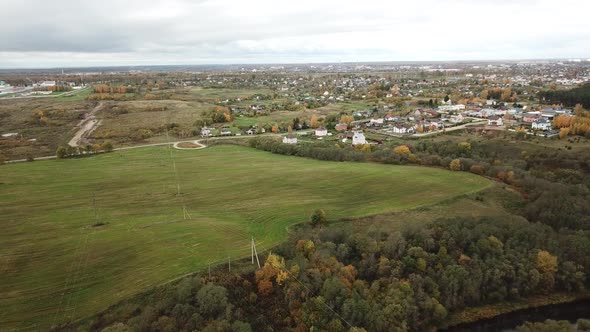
[(67, 33)]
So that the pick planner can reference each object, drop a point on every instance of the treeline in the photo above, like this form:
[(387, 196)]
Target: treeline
[(579, 124), (105, 88), (339, 279), (54, 88), (556, 183), (68, 151), (570, 98)]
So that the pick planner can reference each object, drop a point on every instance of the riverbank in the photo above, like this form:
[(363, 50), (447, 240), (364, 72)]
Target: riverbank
[(496, 317)]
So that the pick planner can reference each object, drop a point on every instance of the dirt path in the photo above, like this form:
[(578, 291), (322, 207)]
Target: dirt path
[(87, 126)]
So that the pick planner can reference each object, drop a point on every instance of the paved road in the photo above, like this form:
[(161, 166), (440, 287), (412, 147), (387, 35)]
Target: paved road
[(67, 93)]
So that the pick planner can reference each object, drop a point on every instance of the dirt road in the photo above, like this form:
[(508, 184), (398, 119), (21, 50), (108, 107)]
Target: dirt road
[(86, 126)]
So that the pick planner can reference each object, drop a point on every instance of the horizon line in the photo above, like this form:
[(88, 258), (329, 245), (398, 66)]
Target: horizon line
[(580, 59)]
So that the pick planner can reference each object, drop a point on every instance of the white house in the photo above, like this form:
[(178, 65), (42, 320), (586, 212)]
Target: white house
[(205, 132), (321, 131), (456, 119), (358, 138), (450, 108), (46, 84), (495, 121), (290, 139), (400, 129), (376, 122), (541, 124)]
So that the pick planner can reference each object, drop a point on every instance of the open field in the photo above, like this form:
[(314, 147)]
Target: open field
[(215, 95), (122, 121), (42, 124), (55, 266)]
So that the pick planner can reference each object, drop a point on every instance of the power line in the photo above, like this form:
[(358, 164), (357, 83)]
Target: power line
[(310, 291)]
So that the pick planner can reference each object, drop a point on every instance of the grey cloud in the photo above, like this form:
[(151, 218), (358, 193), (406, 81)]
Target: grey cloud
[(42, 33)]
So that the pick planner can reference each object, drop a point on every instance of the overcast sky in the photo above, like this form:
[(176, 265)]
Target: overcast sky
[(67, 33)]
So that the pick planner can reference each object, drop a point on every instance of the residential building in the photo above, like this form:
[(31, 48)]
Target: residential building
[(321, 132), (541, 124), (290, 139), (358, 138)]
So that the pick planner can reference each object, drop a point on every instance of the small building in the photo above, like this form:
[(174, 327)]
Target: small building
[(321, 132), (225, 132), (205, 132), (290, 139), (495, 121), (251, 131), (358, 138), (541, 124), (341, 127), (456, 119), (530, 118), (376, 122)]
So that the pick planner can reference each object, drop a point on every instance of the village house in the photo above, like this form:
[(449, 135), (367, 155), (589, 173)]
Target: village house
[(376, 122), (541, 124), (531, 117), (321, 132), (205, 132), (456, 119), (225, 132), (401, 129), (451, 108), (495, 121), (390, 117), (358, 138), (290, 139), (341, 127)]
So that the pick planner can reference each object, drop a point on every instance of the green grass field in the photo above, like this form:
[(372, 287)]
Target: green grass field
[(56, 267)]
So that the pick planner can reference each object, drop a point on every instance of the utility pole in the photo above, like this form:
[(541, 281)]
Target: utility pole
[(229, 264), (255, 253), (94, 206)]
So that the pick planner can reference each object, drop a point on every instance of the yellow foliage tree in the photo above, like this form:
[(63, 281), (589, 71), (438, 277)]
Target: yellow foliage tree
[(563, 132), (455, 165), (314, 123), (464, 146), (546, 263), (346, 119), (274, 268), (402, 150)]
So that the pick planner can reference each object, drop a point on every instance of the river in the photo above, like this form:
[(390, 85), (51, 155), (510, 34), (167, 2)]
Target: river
[(508, 322)]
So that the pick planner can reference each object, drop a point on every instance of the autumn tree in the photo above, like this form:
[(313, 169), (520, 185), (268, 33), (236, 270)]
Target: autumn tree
[(314, 123), (547, 266), (318, 218), (107, 146), (563, 132), (273, 270), (346, 119), (61, 152), (455, 165), (402, 150)]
